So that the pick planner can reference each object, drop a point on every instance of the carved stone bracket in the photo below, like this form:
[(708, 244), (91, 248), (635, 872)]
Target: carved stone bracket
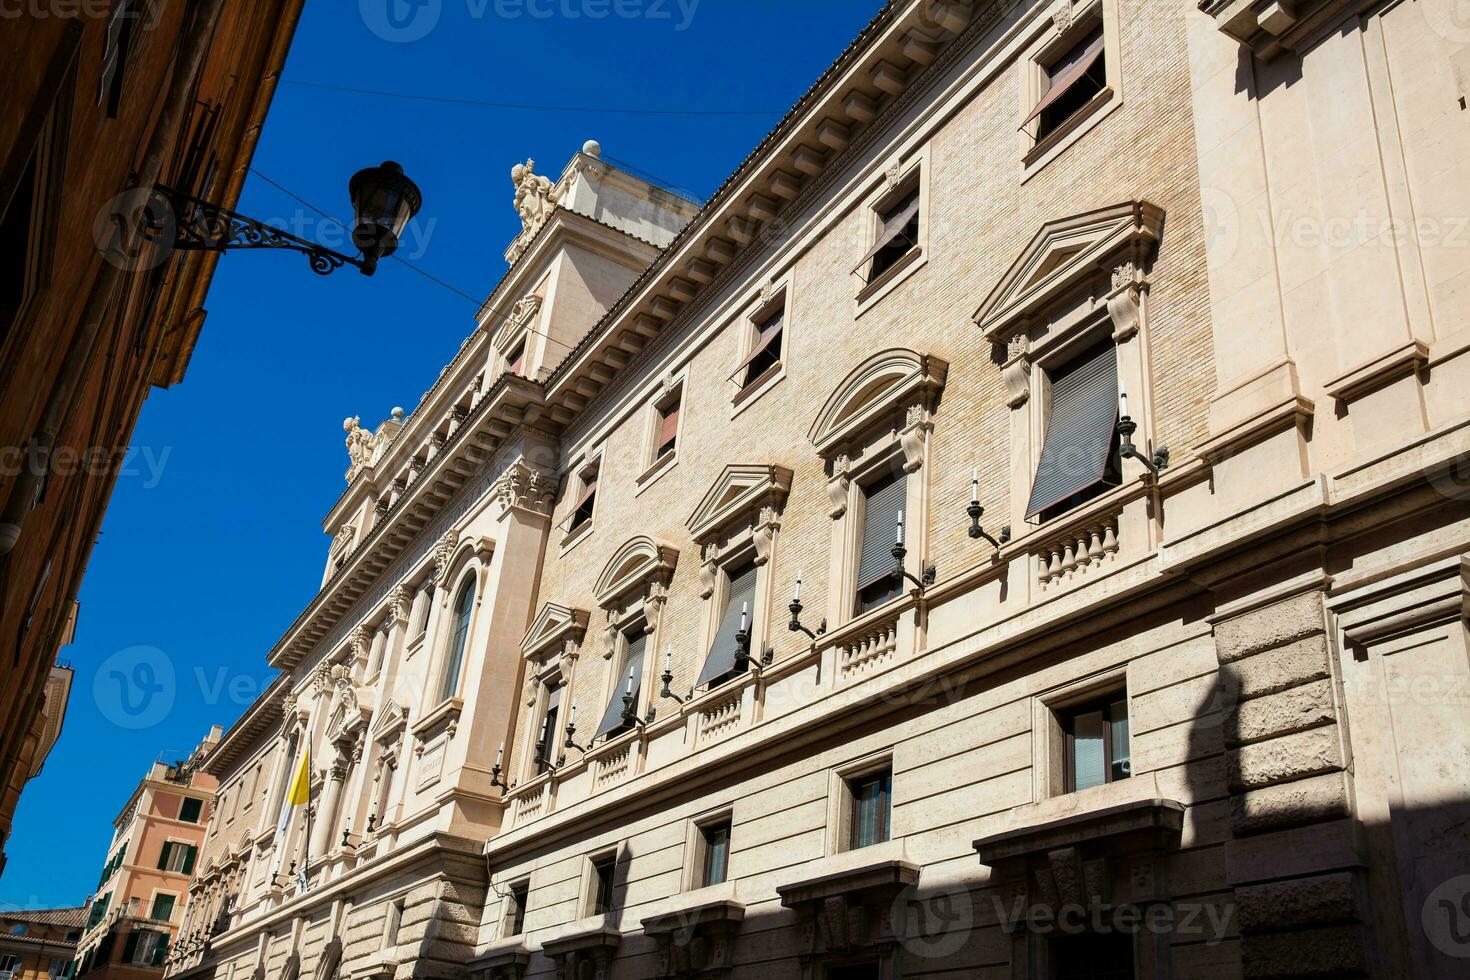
[(857, 910), (696, 942), (585, 954), (1017, 370), (837, 486), (1125, 299), (918, 423)]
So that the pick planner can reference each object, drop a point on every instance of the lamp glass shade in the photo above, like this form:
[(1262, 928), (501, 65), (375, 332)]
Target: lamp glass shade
[(383, 201)]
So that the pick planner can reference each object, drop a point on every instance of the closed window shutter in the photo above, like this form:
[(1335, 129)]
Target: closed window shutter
[(160, 951), (1079, 429), (721, 658), (130, 948), (163, 856), (189, 852), (885, 501), (613, 717)]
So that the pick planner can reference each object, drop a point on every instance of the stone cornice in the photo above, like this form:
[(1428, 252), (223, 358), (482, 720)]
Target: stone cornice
[(1160, 820), (907, 44), (511, 403)]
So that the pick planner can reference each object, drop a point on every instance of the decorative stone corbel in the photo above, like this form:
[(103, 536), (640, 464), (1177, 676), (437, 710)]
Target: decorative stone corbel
[(1017, 371), (709, 569), (1124, 300), (362, 641), (912, 437), (892, 176), (763, 534), (1061, 17), (837, 486)]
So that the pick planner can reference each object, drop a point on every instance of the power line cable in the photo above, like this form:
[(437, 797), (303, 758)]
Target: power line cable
[(531, 106), (479, 304)]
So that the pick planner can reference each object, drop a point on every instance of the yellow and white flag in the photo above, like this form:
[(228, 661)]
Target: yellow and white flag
[(297, 794)]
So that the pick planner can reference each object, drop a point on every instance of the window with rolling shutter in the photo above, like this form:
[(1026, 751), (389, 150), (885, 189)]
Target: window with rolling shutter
[(897, 235), (719, 664), (765, 353), (1079, 458), (883, 503), (1096, 743), (1073, 79), (612, 718), (668, 427), (546, 743), (582, 512)]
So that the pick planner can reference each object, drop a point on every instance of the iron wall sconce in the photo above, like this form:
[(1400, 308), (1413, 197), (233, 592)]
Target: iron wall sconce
[(384, 200), (667, 677), (743, 660), (900, 573), (1126, 427), (796, 607), (976, 511), (571, 733)]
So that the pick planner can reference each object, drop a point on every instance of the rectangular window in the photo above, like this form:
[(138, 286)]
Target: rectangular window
[(1091, 956), (519, 895), (515, 361), (871, 809), (1073, 78), (586, 501), (17, 250), (548, 740), (1096, 742), (190, 809), (720, 664), (884, 501), (602, 885), (628, 683), (765, 353), (163, 908), (421, 620), (898, 234), (716, 853), (1079, 457), (667, 436), (178, 858)]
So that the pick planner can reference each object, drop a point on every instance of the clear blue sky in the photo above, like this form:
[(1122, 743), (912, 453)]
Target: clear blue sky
[(213, 541)]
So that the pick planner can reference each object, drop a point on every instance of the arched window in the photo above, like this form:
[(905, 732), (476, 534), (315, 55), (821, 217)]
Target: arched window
[(457, 640)]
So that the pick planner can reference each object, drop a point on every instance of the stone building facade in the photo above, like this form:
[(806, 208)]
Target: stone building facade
[(1015, 528), (133, 918)]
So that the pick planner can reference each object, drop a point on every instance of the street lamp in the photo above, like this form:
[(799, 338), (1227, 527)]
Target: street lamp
[(383, 202)]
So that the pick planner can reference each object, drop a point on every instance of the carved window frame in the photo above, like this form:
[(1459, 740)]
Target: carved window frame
[(632, 591), (896, 182), (1062, 28), (1047, 736), (673, 390), (773, 299), (518, 328), (880, 416), (589, 466), (1079, 278), (732, 531), (551, 648)]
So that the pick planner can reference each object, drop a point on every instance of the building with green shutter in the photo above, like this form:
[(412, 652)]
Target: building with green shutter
[(131, 920)]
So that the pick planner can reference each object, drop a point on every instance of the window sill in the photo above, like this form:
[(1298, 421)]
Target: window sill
[(913, 260), (752, 392), (575, 537), (1078, 125), (657, 469)]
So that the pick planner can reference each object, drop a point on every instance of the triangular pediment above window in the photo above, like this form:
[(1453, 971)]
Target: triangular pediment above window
[(1064, 255), (638, 563), (553, 625), (739, 491), (390, 718), (882, 388)]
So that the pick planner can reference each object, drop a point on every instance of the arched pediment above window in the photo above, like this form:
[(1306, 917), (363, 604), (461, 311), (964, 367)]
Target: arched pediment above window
[(639, 563), (1107, 247), (888, 387)]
